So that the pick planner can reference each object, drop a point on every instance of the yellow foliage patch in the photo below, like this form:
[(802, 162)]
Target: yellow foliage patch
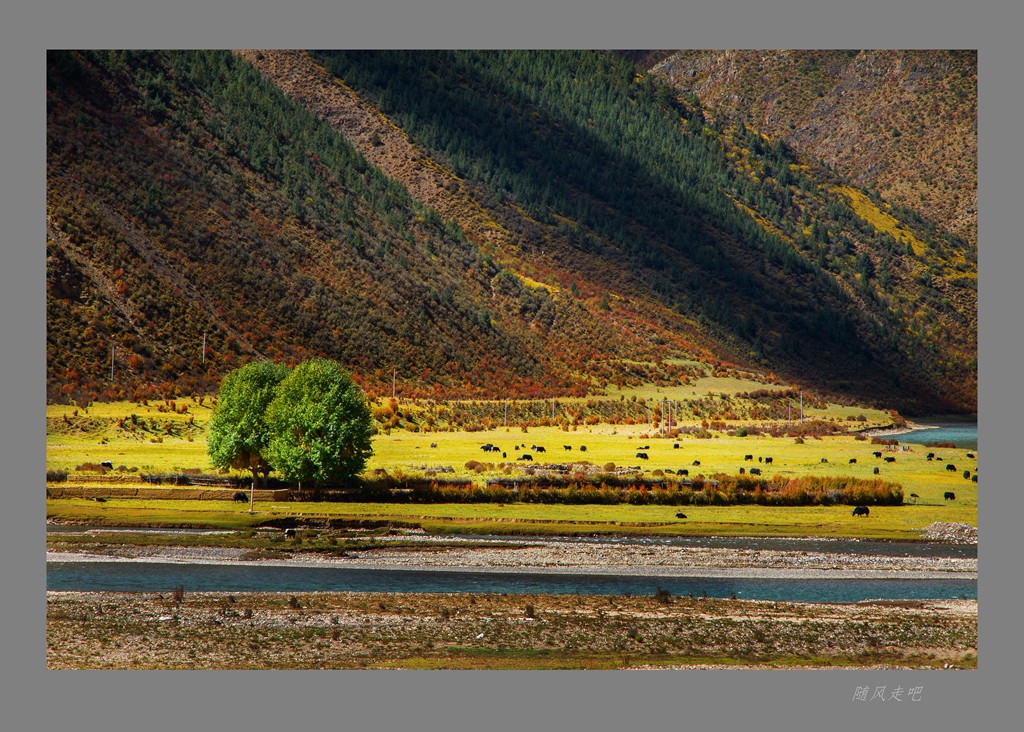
[(534, 284), (865, 208), (763, 222)]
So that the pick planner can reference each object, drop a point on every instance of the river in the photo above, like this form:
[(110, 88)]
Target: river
[(164, 577), (963, 434)]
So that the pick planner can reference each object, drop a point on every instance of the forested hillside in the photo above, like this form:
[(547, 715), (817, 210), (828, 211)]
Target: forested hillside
[(901, 123), (480, 223)]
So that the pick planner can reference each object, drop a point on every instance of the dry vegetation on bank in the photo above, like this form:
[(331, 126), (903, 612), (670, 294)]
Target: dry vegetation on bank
[(383, 630)]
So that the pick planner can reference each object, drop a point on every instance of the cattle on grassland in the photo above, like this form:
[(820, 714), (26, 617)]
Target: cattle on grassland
[(107, 464), (889, 459), (642, 455), (853, 460), (525, 456), (742, 471), (876, 470), (767, 461), (970, 454), (861, 511), (949, 496), (680, 515), (967, 474), (877, 454), (748, 457), (974, 478), (696, 463), (951, 468), (824, 460), (755, 471)]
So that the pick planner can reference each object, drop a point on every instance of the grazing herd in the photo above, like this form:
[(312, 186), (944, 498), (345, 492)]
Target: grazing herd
[(642, 454)]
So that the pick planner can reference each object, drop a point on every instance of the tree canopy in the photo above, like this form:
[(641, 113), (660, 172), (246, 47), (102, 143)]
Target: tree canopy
[(238, 434), (320, 424)]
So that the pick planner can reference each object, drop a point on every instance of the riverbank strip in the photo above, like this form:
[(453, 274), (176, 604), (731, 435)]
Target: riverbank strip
[(572, 557), (353, 630)]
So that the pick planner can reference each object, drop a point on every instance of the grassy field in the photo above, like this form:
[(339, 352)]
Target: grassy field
[(885, 522), (94, 437)]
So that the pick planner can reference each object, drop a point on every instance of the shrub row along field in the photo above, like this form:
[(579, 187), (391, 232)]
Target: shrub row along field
[(721, 490)]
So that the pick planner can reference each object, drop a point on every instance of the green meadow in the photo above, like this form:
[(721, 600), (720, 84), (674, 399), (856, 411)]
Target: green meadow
[(161, 441), (885, 522)]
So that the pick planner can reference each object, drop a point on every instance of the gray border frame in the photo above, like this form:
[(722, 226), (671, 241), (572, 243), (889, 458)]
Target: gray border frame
[(32, 698)]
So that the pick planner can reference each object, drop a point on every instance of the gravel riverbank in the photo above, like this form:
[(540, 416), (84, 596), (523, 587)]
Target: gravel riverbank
[(488, 630), (566, 556), (485, 630)]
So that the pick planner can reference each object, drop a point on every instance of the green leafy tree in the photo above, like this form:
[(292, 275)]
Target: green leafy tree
[(320, 424), (238, 434)]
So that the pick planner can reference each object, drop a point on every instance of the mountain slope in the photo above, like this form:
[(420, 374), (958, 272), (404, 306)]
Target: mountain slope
[(902, 122), (487, 224), (215, 206)]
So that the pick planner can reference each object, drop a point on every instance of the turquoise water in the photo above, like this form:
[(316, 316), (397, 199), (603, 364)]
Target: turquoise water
[(164, 577), (961, 434)]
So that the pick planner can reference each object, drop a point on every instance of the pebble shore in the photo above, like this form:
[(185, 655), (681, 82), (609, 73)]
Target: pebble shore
[(589, 557)]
